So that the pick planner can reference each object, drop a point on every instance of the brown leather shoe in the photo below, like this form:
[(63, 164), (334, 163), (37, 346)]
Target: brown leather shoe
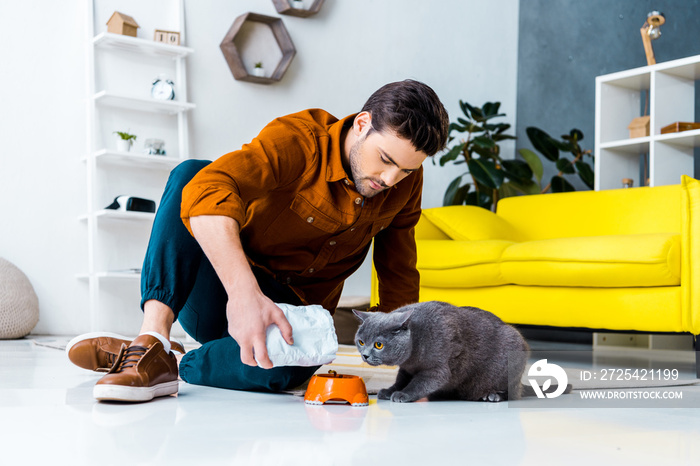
[(141, 372), (97, 351)]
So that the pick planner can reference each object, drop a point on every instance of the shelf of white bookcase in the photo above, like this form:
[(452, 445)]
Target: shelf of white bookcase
[(684, 138), (134, 44), (629, 146), (109, 214), (112, 275), (111, 99), (136, 159)]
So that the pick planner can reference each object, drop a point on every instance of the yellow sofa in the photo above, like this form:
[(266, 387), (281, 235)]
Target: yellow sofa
[(626, 259)]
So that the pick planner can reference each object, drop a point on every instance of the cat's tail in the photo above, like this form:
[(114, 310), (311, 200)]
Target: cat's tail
[(527, 390)]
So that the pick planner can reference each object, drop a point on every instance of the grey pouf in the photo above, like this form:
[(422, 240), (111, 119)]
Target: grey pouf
[(19, 305)]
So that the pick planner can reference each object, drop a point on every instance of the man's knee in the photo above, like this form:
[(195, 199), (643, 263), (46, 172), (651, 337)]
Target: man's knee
[(186, 170)]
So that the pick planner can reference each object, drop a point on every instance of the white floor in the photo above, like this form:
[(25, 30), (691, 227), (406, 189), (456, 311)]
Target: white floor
[(48, 416)]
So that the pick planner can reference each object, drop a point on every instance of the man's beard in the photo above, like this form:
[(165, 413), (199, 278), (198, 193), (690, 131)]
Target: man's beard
[(362, 184)]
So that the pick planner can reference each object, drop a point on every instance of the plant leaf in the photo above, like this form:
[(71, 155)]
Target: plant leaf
[(486, 173), (451, 191), (456, 127), (465, 108), (475, 112), (517, 170), (534, 162), (560, 185), (585, 172), (543, 143), (507, 190), (491, 108), (501, 137), (528, 187), (479, 199), (485, 142), (564, 165), (452, 154)]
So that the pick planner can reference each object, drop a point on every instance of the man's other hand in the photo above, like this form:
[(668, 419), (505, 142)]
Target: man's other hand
[(249, 315)]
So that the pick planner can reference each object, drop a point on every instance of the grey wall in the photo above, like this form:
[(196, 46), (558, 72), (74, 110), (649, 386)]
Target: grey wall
[(564, 44)]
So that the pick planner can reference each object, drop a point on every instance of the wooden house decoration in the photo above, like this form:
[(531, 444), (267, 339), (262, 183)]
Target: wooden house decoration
[(119, 23), (639, 127)]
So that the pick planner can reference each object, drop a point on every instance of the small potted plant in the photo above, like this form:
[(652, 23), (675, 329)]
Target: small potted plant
[(258, 70), (125, 141), (298, 4)]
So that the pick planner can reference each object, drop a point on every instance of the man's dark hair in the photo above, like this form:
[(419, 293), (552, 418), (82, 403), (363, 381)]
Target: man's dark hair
[(412, 110)]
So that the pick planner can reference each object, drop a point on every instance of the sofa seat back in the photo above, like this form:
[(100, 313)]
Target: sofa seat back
[(594, 213), (616, 261)]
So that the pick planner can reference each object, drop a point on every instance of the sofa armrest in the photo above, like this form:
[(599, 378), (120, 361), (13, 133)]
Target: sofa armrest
[(469, 223), (690, 254)]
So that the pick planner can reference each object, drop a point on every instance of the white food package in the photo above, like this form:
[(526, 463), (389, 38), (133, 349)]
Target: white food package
[(315, 341)]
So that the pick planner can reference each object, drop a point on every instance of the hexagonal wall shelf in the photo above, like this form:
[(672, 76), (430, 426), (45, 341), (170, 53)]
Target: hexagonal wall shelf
[(288, 7), (257, 38)]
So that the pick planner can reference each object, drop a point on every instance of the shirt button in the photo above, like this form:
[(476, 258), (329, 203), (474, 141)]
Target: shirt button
[(347, 182), (358, 200), (289, 280), (312, 270), (352, 229), (310, 220), (332, 243)]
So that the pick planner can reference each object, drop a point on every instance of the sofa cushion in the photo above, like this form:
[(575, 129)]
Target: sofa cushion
[(460, 264), (598, 261)]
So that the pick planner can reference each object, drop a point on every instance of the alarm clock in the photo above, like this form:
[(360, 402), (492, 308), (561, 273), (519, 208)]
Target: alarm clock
[(163, 89)]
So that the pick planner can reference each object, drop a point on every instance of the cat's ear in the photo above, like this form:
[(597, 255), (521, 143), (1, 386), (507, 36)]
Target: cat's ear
[(360, 314), (404, 318)]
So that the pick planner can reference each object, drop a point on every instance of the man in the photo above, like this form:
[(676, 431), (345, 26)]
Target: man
[(287, 218)]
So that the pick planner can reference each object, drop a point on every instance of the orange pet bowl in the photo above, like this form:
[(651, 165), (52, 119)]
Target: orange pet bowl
[(334, 387)]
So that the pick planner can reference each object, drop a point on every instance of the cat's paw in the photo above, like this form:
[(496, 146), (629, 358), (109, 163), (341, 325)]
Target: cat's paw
[(401, 397), (494, 397), (384, 394)]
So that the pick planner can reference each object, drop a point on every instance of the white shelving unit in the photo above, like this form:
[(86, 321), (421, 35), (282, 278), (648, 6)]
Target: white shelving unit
[(620, 98), (120, 71)]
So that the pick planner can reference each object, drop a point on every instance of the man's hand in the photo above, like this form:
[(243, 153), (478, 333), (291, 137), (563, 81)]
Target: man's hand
[(249, 311), (249, 315)]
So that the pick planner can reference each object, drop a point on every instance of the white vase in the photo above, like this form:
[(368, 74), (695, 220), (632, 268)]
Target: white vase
[(123, 145), (259, 72), (298, 4)]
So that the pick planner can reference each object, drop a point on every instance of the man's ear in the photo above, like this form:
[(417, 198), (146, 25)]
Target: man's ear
[(362, 123), (360, 314)]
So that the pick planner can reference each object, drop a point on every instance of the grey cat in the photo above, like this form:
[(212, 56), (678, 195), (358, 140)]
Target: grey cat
[(444, 352)]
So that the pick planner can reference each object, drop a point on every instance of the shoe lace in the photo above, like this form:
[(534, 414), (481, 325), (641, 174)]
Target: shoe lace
[(130, 358)]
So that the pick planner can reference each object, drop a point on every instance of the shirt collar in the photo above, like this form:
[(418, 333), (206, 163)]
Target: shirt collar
[(335, 170)]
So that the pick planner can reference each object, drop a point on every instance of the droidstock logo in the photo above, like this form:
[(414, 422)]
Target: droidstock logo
[(543, 369)]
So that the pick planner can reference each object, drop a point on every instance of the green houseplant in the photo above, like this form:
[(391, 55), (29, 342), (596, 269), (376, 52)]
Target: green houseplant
[(488, 176), (125, 141), (550, 148)]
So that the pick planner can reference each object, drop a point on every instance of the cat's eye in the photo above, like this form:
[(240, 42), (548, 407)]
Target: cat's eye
[(378, 345), (362, 343)]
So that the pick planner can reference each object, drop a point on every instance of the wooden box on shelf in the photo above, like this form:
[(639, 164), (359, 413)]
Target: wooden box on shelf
[(167, 37), (679, 126), (119, 23), (639, 127)]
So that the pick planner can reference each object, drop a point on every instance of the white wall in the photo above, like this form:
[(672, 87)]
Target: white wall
[(344, 53)]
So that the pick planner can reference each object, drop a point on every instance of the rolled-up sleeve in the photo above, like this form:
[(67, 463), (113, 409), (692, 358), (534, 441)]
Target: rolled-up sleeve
[(228, 184), (395, 255)]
